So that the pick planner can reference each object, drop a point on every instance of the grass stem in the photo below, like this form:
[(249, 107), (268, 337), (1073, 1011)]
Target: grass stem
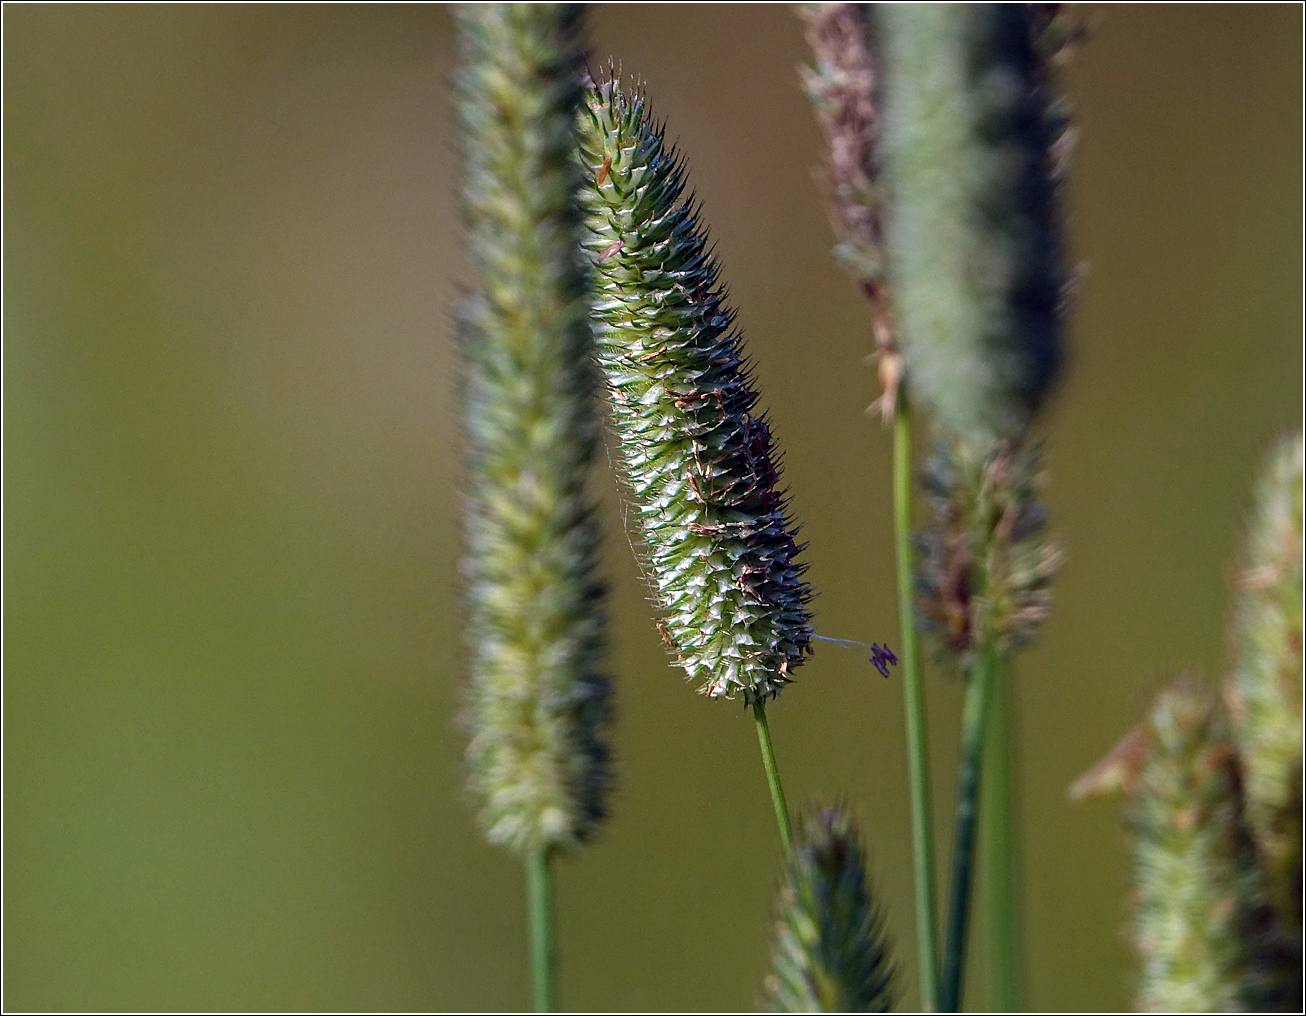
[(998, 835), (772, 772), (979, 692), (540, 904), (918, 748)]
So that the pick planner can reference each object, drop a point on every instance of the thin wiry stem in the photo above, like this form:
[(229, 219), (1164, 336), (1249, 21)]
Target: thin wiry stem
[(999, 849), (772, 772), (979, 693), (918, 749)]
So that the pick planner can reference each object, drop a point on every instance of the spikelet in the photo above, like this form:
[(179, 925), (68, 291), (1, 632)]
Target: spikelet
[(537, 707), (829, 952), (718, 544), (986, 564), (974, 257), (1264, 690), (1207, 940)]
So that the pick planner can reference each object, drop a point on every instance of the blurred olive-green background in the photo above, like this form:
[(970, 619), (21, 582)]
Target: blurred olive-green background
[(232, 657)]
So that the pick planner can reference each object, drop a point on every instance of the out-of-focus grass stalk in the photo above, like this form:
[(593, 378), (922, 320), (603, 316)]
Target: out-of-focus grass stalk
[(970, 137), (997, 823), (1202, 927), (1264, 688), (984, 592), (918, 747), (1213, 787), (974, 241), (974, 721), (543, 965), (1202, 922), (986, 566)]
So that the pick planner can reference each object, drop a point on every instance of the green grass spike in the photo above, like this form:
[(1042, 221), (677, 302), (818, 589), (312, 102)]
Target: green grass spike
[(829, 952), (537, 703), (718, 544)]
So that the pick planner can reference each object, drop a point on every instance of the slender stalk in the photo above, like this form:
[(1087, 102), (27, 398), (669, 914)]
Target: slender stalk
[(979, 692), (772, 773), (540, 902), (918, 747), (998, 837)]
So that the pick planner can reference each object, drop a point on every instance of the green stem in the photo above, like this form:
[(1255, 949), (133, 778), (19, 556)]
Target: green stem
[(772, 773), (918, 747), (540, 898), (999, 852), (979, 691)]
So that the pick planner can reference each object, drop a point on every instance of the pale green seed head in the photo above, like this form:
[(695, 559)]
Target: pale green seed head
[(974, 250), (1205, 936), (1264, 690), (536, 703)]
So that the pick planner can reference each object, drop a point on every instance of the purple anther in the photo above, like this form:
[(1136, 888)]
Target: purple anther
[(882, 658)]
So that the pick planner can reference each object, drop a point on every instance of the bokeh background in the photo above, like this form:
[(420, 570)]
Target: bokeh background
[(232, 656)]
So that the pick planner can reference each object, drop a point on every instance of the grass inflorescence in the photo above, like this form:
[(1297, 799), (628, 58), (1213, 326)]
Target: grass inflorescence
[(1264, 689), (971, 148), (699, 460), (537, 703), (829, 952)]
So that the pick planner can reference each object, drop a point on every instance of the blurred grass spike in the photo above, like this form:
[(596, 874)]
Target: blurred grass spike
[(986, 563), (1214, 791), (537, 703), (1206, 937), (844, 87), (971, 136), (1264, 689), (983, 584), (829, 952), (717, 540)]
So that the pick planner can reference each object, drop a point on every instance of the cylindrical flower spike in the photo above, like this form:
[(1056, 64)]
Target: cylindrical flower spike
[(974, 255), (1264, 691), (1205, 934), (1206, 938), (829, 952), (537, 704), (986, 562), (718, 544), (844, 86)]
